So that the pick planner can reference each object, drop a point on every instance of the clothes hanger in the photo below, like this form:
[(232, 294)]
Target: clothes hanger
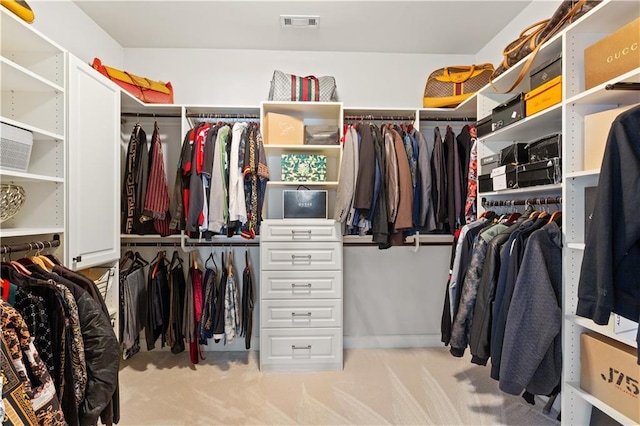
[(48, 263), (230, 260), (246, 258), (213, 259)]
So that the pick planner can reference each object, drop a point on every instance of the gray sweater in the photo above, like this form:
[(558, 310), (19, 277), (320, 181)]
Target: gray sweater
[(532, 346)]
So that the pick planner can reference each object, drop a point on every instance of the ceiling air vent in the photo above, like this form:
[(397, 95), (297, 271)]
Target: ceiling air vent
[(299, 21)]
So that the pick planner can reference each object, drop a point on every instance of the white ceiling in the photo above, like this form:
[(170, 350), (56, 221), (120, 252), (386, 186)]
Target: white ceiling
[(434, 27)]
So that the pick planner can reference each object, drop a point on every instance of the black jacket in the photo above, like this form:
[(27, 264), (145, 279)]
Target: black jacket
[(610, 273)]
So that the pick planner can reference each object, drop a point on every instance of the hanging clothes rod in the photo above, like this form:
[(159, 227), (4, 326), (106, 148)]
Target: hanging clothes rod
[(35, 245), (149, 115), (201, 244), (215, 115), (623, 85), (379, 117), (458, 119), (521, 202)]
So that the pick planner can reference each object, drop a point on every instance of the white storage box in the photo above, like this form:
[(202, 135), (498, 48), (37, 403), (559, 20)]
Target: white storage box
[(15, 147)]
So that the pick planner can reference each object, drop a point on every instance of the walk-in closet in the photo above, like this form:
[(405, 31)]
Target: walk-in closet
[(320, 212)]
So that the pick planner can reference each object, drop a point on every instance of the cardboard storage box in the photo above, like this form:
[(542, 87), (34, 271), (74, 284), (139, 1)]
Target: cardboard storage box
[(304, 168), (504, 177), (596, 132), (508, 112), (609, 371), (304, 204), (543, 97), (612, 56), (282, 129)]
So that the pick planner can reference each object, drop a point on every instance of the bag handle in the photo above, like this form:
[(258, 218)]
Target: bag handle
[(461, 78), (316, 83), (534, 53)]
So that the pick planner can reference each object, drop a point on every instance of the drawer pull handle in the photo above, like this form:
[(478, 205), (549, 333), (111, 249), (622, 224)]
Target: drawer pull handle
[(295, 257), (301, 233), (294, 347), (298, 314), (294, 285)]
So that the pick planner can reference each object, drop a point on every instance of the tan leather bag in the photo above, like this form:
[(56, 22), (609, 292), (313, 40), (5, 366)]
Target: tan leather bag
[(450, 86)]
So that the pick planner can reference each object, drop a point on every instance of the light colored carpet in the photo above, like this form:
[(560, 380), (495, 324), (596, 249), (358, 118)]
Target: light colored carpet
[(377, 387)]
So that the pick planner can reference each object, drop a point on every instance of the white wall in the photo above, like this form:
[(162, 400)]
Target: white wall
[(66, 24), (241, 77), (536, 11)]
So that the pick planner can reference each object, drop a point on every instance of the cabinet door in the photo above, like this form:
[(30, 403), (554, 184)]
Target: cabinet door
[(93, 170)]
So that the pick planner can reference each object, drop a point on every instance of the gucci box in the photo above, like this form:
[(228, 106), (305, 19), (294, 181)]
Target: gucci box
[(609, 372), (283, 129), (612, 56), (304, 204), (304, 168)]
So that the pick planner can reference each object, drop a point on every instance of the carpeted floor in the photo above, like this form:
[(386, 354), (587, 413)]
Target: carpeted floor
[(377, 386)]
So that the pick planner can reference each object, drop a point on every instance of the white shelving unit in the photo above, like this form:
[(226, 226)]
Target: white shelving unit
[(33, 86), (602, 21), (312, 113), (568, 118)]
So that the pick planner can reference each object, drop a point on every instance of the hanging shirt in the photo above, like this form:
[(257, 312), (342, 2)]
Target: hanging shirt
[(237, 206), (156, 204), (218, 203), (231, 308)]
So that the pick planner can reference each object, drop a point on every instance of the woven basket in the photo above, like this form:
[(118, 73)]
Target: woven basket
[(12, 197)]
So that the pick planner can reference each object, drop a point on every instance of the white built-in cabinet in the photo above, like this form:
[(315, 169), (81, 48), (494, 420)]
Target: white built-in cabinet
[(72, 180), (568, 117), (93, 171)]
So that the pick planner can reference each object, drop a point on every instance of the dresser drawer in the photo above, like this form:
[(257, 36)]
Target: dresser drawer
[(301, 349), (301, 313), (294, 230), (296, 285), (301, 256)]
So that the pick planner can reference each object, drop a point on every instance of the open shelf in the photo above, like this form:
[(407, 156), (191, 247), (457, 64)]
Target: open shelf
[(628, 337), (576, 246), (583, 173), (38, 133), (605, 408), (466, 111), (131, 104), (527, 190), (532, 127), (19, 232), (328, 150), (600, 95), (312, 110), (327, 184), (16, 77), (15, 176)]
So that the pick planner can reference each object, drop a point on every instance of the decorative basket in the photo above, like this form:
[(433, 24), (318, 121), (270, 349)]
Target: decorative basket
[(12, 197)]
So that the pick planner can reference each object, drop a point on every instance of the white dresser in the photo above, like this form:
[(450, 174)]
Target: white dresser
[(300, 295)]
